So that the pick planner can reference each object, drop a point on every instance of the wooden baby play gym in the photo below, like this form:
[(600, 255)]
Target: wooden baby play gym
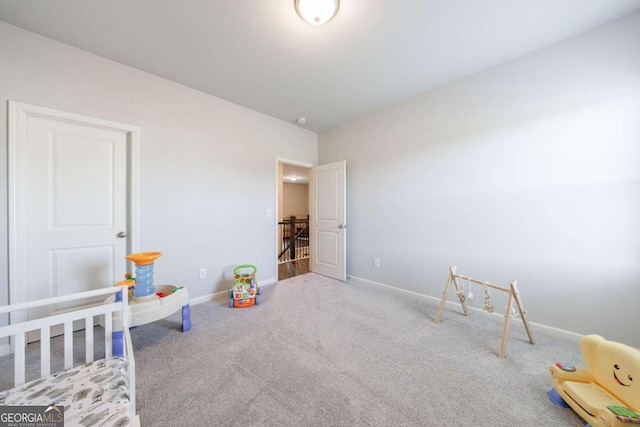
[(512, 290)]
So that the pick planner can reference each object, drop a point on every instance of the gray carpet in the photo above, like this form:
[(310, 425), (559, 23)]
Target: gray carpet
[(318, 352)]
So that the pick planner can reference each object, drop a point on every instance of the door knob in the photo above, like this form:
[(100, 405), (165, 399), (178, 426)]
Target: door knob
[(121, 235), (342, 226)]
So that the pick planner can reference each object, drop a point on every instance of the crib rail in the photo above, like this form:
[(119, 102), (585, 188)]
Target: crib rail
[(18, 331)]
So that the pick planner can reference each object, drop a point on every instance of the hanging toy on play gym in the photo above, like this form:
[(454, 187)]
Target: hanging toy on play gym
[(487, 306)]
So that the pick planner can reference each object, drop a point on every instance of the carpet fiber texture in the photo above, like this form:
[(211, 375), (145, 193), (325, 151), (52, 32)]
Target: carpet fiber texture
[(319, 352)]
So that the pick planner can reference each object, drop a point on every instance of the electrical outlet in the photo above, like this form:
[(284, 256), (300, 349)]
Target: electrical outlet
[(376, 263), (203, 273)]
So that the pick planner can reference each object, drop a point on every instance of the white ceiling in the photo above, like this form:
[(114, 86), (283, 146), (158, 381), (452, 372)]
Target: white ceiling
[(293, 174), (260, 54)]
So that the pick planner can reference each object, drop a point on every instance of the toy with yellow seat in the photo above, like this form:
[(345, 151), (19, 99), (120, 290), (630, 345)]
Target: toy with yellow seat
[(607, 392)]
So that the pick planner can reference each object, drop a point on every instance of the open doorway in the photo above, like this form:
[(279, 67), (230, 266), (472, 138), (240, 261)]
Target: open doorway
[(293, 220)]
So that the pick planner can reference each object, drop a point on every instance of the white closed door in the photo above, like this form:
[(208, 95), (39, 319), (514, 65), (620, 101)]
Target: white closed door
[(69, 204), (327, 219)]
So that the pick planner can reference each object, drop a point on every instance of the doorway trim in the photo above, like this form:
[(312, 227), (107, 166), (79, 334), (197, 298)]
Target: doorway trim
[(16, 163), (277, 209)]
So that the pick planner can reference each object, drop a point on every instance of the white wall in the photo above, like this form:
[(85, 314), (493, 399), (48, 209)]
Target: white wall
[(527, 171), (295, 200), (207, 169)]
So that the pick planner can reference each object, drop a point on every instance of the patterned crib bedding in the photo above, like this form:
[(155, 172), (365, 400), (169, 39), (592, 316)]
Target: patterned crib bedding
[(95, 394)]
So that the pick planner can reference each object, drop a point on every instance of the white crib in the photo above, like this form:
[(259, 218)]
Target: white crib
[(98, 393)]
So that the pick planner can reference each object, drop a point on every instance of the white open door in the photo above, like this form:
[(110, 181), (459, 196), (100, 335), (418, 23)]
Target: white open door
[(327, 220)]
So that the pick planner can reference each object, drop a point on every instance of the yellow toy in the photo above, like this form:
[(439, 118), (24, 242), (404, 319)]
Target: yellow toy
[(607, 392)]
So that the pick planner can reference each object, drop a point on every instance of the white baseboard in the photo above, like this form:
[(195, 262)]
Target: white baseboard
[(225, 293), (496, 316), (268, 282)]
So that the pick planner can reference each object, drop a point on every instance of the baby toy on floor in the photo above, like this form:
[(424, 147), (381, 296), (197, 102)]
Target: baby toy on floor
[(607, 392), (245, 291)]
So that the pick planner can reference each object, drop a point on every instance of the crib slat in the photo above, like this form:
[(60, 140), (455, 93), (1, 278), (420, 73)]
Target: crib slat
[(19, 360), (45, 351), (132, 371), (88, 327), (108, 337), (68, 345)]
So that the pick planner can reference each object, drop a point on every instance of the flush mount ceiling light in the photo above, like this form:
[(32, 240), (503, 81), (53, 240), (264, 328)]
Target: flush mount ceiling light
[(317, 12)]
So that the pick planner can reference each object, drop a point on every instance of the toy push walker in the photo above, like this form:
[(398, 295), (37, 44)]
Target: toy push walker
[(245, 291)]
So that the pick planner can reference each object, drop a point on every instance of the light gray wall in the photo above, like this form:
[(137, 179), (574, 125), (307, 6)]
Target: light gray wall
[(296, 200), (527, 171), (207, 169)]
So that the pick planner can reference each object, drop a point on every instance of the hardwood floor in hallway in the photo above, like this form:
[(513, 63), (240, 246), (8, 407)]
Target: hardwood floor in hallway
[(293, 269)]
